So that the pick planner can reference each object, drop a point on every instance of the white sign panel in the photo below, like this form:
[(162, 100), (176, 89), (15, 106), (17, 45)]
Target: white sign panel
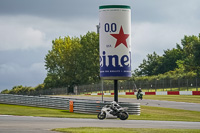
[(115, 41)]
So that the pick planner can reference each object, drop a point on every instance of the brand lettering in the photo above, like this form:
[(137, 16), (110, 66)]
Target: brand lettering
[(114, 61)]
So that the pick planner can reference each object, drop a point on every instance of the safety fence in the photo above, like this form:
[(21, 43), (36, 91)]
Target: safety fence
[(79, 105), (192, 84)]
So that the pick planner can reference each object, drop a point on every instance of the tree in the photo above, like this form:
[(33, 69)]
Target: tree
[(150, 66), (191, 49), (169, 59), (61, 62), (89, 58), (72, 61)]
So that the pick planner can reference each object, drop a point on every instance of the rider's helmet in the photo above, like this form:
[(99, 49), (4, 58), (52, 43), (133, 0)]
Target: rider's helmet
[(114, 104)]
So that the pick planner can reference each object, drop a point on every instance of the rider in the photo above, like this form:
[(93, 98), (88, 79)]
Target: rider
[(114, 106), (139, 92)]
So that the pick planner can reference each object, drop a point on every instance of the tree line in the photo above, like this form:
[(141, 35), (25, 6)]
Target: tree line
[(74, 61)]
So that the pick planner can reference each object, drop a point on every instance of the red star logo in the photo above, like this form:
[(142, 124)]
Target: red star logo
[(121, 38)]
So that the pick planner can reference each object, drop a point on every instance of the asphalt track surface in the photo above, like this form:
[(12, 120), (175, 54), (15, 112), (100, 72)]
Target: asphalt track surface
[(27, 124), (147, 102)]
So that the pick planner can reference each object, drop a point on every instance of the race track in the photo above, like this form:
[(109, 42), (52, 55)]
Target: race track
[(27, 124)]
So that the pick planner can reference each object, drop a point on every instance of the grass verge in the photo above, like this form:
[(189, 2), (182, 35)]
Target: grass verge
[(147, 113), (177, 98), (123, 130), (166, 114), (19, 110)]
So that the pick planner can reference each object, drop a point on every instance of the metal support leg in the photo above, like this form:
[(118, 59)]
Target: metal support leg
[(116, 90)]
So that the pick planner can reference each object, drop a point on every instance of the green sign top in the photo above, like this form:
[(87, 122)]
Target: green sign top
[(114, 6)]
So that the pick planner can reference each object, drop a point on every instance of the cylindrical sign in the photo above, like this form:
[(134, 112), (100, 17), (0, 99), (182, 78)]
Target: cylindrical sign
[(115, 41)]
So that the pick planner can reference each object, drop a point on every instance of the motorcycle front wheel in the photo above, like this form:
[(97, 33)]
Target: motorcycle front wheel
[(123, 116), (101, 115)]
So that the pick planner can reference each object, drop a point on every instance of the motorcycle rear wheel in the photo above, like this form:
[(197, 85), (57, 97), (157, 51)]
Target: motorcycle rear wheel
[(101, 116)]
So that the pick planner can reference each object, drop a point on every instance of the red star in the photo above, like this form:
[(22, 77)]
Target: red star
[(121, 38)]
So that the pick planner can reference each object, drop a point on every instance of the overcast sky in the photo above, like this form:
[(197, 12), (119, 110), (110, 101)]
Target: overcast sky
[(27, 28)]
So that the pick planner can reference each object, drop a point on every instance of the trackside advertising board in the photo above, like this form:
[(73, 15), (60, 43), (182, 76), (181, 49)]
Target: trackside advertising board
[(115, 42)]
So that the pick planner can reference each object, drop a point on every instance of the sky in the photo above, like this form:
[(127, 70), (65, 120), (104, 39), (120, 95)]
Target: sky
[(27, 28)]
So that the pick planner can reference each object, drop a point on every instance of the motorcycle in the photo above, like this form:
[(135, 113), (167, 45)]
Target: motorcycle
[(113, 111), (139, 96)]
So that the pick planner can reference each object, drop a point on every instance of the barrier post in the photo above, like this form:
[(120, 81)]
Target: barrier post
[(71, 106)]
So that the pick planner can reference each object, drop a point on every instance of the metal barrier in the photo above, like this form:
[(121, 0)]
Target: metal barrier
[(93, 107), (79, 105), (37, 101)]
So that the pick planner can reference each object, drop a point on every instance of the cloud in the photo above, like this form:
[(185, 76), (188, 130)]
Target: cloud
[(14, 74), (62, 9), (5, 69), (159, 25), (18, 36), (165, 11), (24, 42), (38, 68), (148, 37), (29, 32)]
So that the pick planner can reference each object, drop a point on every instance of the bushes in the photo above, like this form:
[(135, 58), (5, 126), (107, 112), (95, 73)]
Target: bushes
[(174, 75), (23, 90)]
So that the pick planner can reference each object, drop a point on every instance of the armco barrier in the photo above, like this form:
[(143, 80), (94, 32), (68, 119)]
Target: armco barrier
[(74, 105), (93, 107), (43, 101)]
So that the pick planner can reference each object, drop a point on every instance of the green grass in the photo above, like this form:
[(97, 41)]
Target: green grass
[(147, 113), (177, 98), (166, 114), (19, 110), (123, 130)]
